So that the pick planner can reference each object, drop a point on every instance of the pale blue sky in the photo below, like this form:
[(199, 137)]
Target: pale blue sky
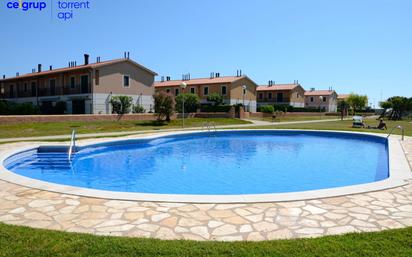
[(362, 46)]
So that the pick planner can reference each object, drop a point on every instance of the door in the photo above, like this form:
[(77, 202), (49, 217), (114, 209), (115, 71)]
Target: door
[(78, 107), (84, 84)]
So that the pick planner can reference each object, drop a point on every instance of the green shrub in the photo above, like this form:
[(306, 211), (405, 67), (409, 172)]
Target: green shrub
[(215, 98), (213, 108), (9, 108), (282, 107), (121, 104), (191, 102), (267, 109), (138, 109), (164, 105)]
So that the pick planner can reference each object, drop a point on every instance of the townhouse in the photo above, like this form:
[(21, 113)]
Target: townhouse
[(283, 94), (326, 100), (234, 89), (84, 89)]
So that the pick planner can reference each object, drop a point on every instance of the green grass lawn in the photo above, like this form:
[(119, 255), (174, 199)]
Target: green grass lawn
[(60, 128), (346, 125), (23, 241)]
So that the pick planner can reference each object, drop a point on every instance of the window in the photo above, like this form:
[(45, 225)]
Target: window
[(176, 91), (244, 91), (324, 98), (168, 90), (260, 96), (269, 95), (192, 90), (311, 99), (33, 89), (206, 91), (97, 77), (279, 97), (52, 84), (72, 82), (224, 90), (126, 81), (25, 87)]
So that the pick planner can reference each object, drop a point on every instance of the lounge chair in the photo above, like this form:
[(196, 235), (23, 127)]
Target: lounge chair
[(357, 122)]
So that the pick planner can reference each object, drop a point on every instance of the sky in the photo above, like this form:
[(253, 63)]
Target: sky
[(353, 46)]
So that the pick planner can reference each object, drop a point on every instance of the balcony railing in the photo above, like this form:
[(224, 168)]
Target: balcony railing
[(274, 100)]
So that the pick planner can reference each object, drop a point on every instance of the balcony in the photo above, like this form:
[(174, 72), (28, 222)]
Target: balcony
[(274, 100)]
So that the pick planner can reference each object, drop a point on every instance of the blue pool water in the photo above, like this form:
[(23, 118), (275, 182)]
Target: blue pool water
[(232, 162)]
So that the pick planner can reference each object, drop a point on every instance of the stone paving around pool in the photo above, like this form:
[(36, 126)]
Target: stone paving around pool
[(372, 211)]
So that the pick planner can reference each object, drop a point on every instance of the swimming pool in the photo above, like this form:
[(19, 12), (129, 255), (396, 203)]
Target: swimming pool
[(221, 163)]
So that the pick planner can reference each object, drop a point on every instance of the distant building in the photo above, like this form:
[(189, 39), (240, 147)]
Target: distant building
[(343, 97), (234, 89), (85, 89), (325, 99), (285, 94)]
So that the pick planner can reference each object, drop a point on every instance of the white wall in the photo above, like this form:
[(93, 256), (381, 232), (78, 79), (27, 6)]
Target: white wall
[(101, 102)]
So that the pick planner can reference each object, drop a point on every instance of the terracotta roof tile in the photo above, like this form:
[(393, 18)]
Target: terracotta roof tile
[(277, 87), (78, 67), (199, 81), (319, 92)]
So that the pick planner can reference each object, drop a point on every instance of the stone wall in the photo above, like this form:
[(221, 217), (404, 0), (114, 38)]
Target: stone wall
[(103, 117)]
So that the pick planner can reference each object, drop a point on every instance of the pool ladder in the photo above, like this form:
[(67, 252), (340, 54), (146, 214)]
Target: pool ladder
[(397, 127), (209, 126), (72, 147)]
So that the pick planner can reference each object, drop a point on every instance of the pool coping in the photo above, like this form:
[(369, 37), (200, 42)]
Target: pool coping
[(399, 171)]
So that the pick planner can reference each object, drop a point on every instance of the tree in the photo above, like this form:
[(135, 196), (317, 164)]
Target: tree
[(357, 102), (385, 105), (343, 107), (164, 105), (191, 102), (400, 106), (121, 104), (216, 98)]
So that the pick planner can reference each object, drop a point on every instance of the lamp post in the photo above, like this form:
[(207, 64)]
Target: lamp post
[(183, 85), (244, 92)]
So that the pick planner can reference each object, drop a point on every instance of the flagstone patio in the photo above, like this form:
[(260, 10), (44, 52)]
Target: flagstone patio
[(372, 211)]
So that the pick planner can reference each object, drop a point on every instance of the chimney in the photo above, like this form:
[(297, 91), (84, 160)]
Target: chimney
[(125, 55), (17, 74), (217, 74), (212, 75), (39, 67), (162, 79), (168, 78), (75, 63), (51, 67), (240, 73), (4, 76), (86, 59), (312, 89), (128, 55)]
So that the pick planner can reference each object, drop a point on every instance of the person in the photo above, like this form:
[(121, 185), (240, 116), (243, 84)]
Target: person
[(381, 125)]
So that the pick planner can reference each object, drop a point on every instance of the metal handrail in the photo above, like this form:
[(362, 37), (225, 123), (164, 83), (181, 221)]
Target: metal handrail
[(397, 127), (214, 126), (72, 146), (208, 126)]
